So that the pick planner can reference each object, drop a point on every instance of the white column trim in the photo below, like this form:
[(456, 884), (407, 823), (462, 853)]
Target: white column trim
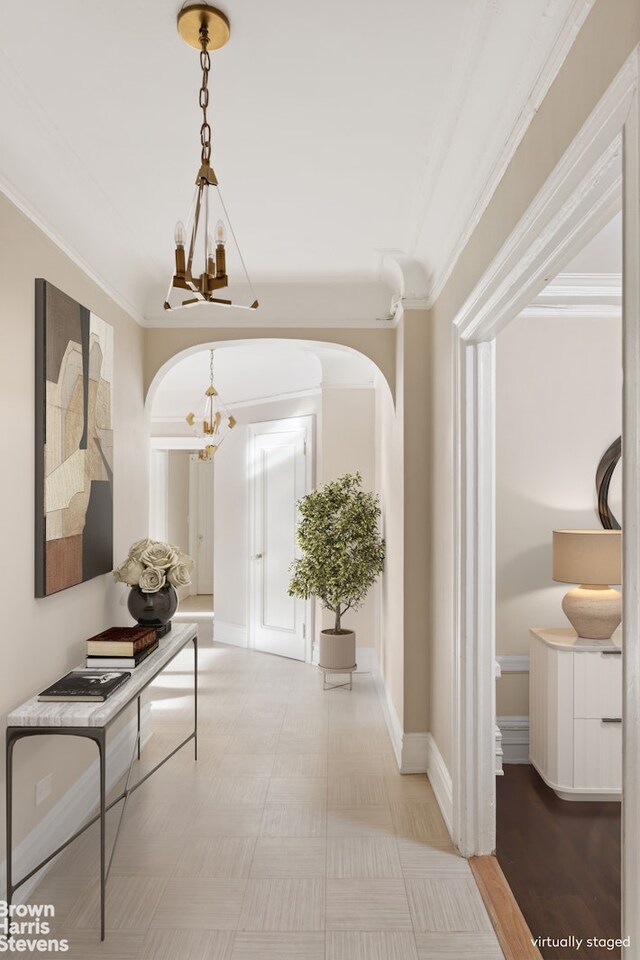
[(631, 513), (582, 192), (473, 804)]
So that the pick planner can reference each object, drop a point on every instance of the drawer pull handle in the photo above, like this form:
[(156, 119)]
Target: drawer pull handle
[(612, 719), (611, 653)]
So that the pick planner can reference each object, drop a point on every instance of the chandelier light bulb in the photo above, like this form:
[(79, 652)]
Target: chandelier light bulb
[(180, 234), (221, 233)]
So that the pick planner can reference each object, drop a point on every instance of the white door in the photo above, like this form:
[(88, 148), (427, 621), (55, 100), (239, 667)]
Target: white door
[(280, 472), (201, 522)]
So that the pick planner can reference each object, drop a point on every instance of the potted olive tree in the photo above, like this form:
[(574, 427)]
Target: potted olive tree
[(342, 555)]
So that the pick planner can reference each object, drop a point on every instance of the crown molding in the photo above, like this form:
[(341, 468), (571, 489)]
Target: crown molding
[(575, 18), (224, 321), (22, 204)]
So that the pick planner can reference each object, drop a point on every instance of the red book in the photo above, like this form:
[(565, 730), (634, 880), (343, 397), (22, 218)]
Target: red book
[(121, 641)]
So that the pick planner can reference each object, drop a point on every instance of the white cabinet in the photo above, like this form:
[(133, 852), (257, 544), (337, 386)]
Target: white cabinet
[(575, 713)]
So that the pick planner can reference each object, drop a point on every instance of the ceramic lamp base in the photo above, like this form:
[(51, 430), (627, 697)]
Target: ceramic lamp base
[(594, 612)]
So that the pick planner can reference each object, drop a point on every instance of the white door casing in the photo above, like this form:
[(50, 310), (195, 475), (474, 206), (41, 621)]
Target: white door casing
[(158, 494), (580, 195), (280, 473)]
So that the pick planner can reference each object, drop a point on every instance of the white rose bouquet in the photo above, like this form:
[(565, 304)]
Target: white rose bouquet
[(152, 563)]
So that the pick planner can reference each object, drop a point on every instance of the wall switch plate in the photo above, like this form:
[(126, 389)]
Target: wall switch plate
[(44, 788)]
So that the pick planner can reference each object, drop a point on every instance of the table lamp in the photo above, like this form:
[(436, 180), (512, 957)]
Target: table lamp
[(591, 558)]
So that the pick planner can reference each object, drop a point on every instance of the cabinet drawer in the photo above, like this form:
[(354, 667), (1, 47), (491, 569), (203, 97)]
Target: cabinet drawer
[(597, 685), (597, 760)]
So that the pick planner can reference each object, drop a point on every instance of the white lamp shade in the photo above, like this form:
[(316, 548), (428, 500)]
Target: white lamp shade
[(587, 556)]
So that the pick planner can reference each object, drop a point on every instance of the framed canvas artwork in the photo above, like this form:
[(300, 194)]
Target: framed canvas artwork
[(74, 442)]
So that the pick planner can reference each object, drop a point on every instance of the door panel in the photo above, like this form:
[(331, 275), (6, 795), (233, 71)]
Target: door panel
[(201, 523), (280, 473)]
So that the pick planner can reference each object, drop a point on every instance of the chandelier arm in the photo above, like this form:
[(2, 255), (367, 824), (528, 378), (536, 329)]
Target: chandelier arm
[(235, 240)]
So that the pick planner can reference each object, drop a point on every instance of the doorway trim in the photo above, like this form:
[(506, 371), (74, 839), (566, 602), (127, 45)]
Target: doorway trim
[(305, 423), (581, 194)]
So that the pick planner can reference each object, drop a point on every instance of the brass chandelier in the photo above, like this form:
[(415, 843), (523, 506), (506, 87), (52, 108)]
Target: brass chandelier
[(213, 422), (209, 266)]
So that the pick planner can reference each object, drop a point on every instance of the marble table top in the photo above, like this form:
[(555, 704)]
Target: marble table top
[(32, 713)]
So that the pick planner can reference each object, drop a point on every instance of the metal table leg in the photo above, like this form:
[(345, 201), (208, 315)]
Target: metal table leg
[(101, 741), (10, 742), (195, 697), (138, 728)]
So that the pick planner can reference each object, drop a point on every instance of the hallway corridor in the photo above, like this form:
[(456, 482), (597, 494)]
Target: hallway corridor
[(293, 836)]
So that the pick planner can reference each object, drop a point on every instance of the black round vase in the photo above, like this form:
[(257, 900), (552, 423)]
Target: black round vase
[(153, 609)]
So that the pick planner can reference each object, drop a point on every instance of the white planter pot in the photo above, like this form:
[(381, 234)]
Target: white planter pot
[(337, 650)]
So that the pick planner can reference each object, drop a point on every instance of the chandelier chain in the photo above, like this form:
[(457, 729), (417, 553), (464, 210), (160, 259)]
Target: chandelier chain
[(211, 365), (203, 97)]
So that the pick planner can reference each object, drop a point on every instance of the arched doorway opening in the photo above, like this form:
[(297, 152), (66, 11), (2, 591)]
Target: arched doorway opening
[(324, 404)]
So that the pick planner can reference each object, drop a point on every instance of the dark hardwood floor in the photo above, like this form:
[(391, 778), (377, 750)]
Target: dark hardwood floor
[(562, 861)]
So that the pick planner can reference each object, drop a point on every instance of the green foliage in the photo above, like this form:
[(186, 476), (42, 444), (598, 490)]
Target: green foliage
[(342, 550)]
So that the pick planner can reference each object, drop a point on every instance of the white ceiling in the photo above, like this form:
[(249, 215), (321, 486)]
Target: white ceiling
[(340, 130)]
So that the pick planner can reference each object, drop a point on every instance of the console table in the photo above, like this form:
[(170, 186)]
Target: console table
[(92, 721)]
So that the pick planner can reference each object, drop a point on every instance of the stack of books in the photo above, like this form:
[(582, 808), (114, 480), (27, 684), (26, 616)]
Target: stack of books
[(121, 647), (84, 685)]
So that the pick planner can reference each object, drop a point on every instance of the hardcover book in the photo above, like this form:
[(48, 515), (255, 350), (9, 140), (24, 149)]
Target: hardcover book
[(121, 641), (85, 685), (118, 662)]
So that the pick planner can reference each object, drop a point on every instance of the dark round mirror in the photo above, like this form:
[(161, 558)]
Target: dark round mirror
[(604, 473)]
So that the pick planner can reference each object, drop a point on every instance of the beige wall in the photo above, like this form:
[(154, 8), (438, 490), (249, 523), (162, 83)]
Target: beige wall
[(416, 430), (402, 451), (348, 446), (178, 499), (42, 639), (162, 343), (389, 483), (559, 406), (608, 37)]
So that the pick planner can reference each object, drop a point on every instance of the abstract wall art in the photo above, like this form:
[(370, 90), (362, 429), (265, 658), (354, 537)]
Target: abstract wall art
[(74, 442)]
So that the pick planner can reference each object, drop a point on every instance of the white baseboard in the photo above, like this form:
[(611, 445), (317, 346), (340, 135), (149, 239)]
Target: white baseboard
[(235, 634), (73, 809), (366, 659), (391, 718), (415, 750), (440, 780), (410, 749), (499, 752), (515, 739), (513, 663)]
